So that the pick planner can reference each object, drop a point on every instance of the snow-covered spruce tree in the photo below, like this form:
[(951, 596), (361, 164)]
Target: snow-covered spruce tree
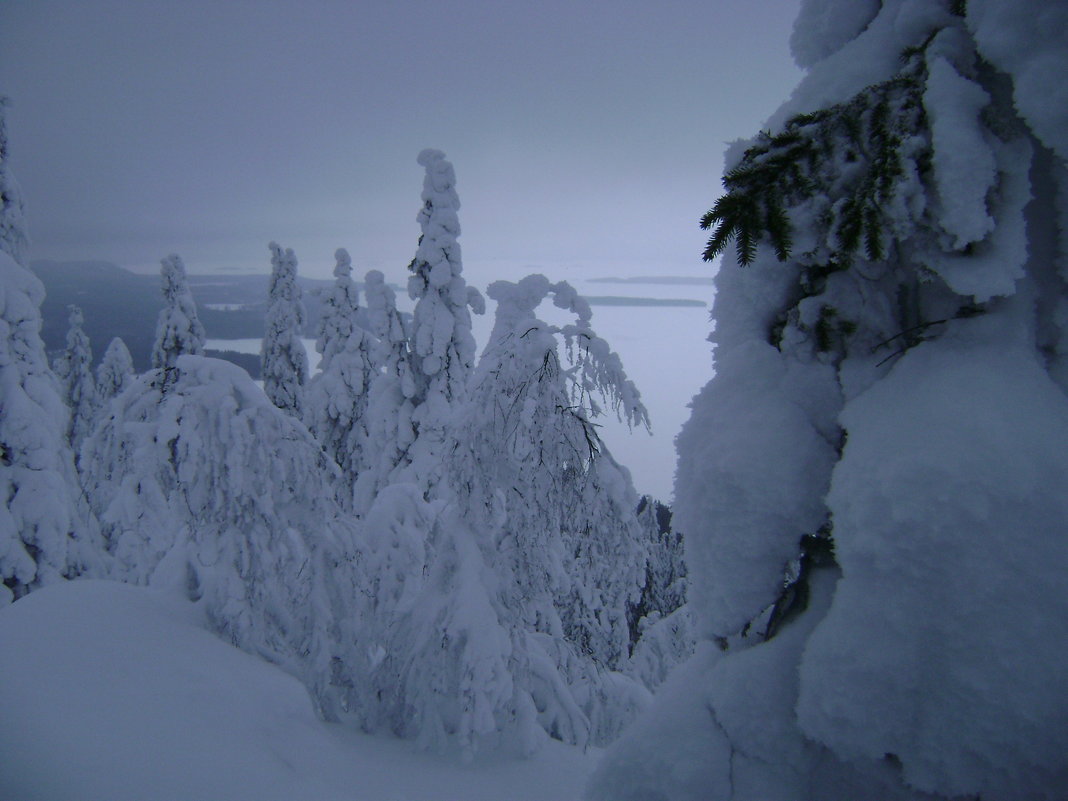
[(388, 413), (475, 639), (443, 666), (46, 532), (13, 240), (664, 589), (872, 486), (73, 367), (178, 328), (209, 489), (285, 362), (115, 371), (661, 626), (442, 347), (336, 397)]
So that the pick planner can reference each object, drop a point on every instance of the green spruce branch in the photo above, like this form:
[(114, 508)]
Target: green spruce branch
[(784, 170)]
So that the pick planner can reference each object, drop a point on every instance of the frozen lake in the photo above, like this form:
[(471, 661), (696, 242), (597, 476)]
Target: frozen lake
[(664, 351)]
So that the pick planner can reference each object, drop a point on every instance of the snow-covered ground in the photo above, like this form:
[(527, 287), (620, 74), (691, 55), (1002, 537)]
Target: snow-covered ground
[(118, 692), (663, 349)]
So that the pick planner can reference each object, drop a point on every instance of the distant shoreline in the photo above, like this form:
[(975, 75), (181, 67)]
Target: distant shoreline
[(676, 280), (617, 300)]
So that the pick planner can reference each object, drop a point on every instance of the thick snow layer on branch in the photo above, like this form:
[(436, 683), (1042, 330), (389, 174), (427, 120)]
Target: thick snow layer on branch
[(963, 164), (1028, 39), (945, 643), (995, 265), (752, 470), (823, 27), (900, 402), (873, 56)]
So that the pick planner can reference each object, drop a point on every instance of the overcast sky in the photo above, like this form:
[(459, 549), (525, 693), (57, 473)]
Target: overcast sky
[(580, 131)]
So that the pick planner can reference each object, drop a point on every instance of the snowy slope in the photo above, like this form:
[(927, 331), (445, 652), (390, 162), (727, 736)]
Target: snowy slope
[(118, 692)]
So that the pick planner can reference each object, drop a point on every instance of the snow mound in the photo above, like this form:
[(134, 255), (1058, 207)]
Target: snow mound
[(118, 692)]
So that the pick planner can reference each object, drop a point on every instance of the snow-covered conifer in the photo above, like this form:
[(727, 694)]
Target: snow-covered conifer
[(73, 367), (340, 305), (285, 362), (664, 590), (178, 328), (210, 489), (442, 345), (336, 397), (388, 412), (442, 666), (13, 240), (661, 625), (542, 501), (532, 414), (46, 532), (871, 486), (115, 371)]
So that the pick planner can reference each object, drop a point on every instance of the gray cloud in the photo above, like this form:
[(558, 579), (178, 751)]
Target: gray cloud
[(585, 131)]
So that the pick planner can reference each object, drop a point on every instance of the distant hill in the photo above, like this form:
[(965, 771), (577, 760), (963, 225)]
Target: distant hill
[(119, 303)]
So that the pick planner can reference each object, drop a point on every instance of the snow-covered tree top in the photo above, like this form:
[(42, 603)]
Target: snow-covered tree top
[(13, 238), (338, 320), (596, 372), (115, 370), (343, 268), (178, 330), (441, 333), (283, 282), (285, 362), (75, 318)]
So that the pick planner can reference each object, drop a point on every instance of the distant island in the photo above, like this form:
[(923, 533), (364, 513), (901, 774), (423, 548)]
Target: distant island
[(676, 280), (618, 300), (117, 302)]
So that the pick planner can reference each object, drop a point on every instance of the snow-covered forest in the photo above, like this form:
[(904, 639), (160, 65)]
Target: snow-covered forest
[(421, 560)]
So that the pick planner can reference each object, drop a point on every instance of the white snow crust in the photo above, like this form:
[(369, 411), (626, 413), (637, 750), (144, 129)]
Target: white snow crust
[(117, 692)]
